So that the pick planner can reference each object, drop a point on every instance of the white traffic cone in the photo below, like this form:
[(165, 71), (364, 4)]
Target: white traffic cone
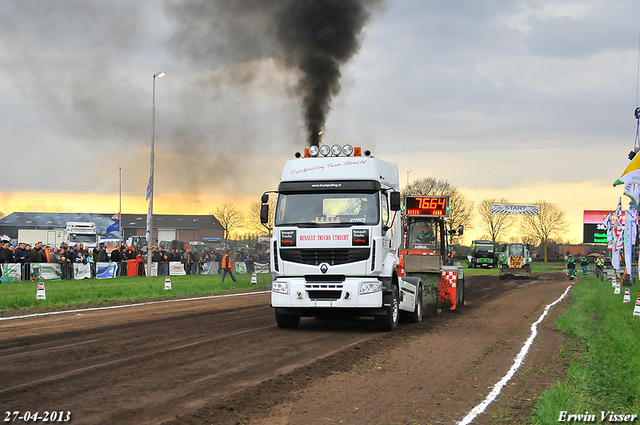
[(636, 311), (617, 290), (40, 294), (254, 279), (167, 283), (627, 296)]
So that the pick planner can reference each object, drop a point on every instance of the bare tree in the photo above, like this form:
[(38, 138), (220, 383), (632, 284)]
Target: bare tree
[(253, 218), (229, 217), (461, 208), (495, 224), (550, 224)]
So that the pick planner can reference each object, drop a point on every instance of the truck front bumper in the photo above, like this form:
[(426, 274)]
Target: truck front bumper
[(352, 293)]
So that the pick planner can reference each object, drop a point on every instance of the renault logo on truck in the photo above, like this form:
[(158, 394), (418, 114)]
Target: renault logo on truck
[(324, 267)]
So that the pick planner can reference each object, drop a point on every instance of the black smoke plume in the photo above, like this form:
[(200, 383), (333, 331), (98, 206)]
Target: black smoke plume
[(318, 36), (313, 37)]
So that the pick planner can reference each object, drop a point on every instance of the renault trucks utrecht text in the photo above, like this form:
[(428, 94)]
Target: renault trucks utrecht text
[(336, 238)]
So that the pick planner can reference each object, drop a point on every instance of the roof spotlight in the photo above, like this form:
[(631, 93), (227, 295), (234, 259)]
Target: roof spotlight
[(335, 150), (324, 150), (347, 150), (313, 150)]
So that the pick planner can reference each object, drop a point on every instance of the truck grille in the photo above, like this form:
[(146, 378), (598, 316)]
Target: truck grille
[(316, 257), (324, 292)]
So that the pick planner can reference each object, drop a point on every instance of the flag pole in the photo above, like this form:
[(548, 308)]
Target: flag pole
[(120, 209)]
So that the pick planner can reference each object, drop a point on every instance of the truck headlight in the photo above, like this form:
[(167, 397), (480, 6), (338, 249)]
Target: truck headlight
[(370, 287), (280, 287)]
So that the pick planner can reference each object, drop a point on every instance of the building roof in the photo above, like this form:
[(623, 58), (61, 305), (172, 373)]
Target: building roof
[(36, 220)]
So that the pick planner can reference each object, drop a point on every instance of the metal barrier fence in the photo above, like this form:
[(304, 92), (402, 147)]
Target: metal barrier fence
[(13, 272)]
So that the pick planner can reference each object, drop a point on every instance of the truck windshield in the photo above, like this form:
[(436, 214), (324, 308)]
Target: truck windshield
[(82, 238), (516, 250), (327, 208)]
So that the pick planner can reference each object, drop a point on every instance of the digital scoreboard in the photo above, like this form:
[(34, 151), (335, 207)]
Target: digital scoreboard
[(427, 206)]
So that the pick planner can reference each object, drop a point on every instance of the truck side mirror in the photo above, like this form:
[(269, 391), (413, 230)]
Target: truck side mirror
[(394, 200), (264, 212), (265, 198), (460, 230)]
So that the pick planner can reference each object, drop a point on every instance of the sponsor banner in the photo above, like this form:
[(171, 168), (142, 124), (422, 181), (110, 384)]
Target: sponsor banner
[(211, 267), (515, 209), (11, 272), (46, 271), (106, 270), (323, 238), (240, 267), (81, 271), (261, 267), (360, 237), (287, 238), (154, 268), (176, 269)]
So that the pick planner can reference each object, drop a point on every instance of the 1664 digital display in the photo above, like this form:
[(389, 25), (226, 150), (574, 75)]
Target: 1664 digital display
[(427, 206)]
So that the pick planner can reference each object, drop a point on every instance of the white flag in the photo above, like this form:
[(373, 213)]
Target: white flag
[(150, 187), (630, 230), (632, 190)]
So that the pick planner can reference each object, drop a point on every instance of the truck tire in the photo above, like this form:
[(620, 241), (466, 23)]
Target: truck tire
[(286, 321), (389, 321), (416, 315)]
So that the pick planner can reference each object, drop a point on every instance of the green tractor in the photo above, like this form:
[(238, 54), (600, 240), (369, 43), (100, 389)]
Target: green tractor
[(515, 261), (482, 255)]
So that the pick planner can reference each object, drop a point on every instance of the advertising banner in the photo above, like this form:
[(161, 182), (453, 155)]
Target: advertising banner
[(81, 271), (176, 269), (261, 267), (106, 270), (515, 209), (11, 272), (240, 267), (46, 271), (211, 267), (594, 228)]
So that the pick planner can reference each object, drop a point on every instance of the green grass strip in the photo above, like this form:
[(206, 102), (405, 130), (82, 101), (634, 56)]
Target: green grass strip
[(606, 374), (79, 293)]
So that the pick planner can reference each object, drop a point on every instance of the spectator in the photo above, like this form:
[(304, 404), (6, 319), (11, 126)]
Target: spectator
[(115, 255), (36, 255), (53, 256)]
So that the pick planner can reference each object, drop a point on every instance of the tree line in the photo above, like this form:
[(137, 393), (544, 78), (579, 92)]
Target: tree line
[(550, 225)]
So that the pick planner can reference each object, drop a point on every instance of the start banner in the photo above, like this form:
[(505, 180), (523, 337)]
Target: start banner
[(515, 209)]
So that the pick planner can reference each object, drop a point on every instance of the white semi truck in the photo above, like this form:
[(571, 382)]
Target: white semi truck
[(336, 239), (81, 232)]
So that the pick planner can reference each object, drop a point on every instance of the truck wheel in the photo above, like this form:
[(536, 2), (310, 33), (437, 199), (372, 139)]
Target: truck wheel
[(416, 315), (287, 321), (389, 322)]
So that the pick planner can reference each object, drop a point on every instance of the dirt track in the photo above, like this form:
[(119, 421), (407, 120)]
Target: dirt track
[(224, 361)]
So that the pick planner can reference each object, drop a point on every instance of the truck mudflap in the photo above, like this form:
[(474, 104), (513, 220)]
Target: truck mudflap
[(451, 288)]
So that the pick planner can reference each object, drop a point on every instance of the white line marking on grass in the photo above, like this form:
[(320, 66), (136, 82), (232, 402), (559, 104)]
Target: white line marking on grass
[(516, 365), (131, 305)]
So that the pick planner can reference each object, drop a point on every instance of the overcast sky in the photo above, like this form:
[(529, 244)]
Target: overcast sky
[(525, 100)]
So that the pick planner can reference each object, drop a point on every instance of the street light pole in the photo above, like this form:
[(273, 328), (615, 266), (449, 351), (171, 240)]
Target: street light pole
[(408, 177), (157, 75)]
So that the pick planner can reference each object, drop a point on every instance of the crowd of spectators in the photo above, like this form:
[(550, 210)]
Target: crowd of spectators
[(125, 256)]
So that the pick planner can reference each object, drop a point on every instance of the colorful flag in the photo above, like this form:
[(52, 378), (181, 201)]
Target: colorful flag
[(630, 233), (609, 227), (631, 173), (632, 190), (115, 227), (115, 216)]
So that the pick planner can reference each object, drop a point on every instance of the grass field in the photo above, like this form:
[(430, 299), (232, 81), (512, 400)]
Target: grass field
[(78, 293), (606, 373), (537, 267)]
